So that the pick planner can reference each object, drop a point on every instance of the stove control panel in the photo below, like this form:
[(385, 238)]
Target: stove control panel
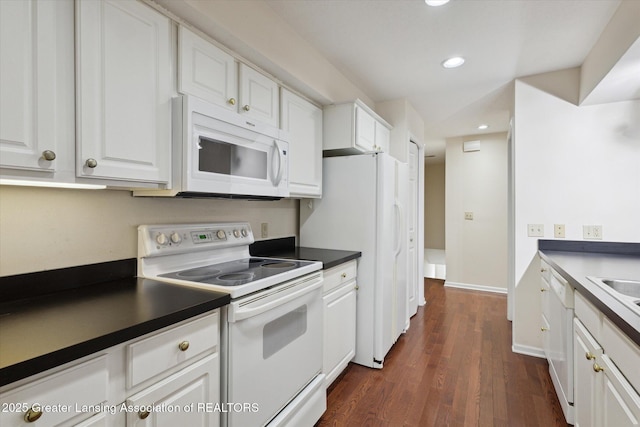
[(178, 238)]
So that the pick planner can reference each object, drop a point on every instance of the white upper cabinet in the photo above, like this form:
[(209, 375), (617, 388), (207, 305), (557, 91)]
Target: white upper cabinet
[(36, 83), (210, 73), (124, 91), (303, 121), (259, 97), (206, 71), (353, 128)]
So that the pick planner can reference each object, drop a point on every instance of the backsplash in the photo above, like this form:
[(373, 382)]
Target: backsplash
[(45, 228)]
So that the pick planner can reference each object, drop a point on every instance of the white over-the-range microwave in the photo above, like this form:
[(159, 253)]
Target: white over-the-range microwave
[(219, 153)]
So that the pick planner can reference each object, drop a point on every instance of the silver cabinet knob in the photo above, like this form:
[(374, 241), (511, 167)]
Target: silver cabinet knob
[(246, 108), (91, 163), (48, 155)]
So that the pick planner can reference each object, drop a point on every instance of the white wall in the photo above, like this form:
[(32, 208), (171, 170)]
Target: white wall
[(434, 205), (476, 251), (44, 228), (573, 166)]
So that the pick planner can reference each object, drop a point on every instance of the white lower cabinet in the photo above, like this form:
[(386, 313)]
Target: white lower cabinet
[(180, 388), (186, 398), (339, 319), (60, 398), (604, 395)]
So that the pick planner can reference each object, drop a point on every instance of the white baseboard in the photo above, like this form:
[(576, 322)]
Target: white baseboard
[(528, 351), (473, 287)]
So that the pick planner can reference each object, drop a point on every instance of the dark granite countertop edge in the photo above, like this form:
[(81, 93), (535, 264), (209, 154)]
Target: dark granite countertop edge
[(286, 248), (607, 304), (57, 358), (78, 283)]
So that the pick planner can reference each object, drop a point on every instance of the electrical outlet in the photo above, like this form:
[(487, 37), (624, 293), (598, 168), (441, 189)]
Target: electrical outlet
[(558, 231), (535, 230), (264, 229), (592, 232), (468, 216)]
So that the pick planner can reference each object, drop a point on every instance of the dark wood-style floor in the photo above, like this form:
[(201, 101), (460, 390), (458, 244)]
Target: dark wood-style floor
[(454, 367)]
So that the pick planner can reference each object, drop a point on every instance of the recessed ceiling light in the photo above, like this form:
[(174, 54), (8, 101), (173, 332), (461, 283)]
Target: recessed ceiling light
[(436, 2), (483, 127), (454, 62)]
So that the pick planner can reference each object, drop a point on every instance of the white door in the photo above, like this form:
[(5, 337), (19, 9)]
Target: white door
[(400, 268), (365, 131), (198, 384), (620, 402), (412, 224), (206, 71), (303, 121), (259, 96), (124, 91), (587, 382), (36, 83)]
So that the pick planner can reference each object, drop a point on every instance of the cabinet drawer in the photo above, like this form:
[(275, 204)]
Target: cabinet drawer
[(76, 392), (590, 316), (153, 356), (339, 275), (624, 353)]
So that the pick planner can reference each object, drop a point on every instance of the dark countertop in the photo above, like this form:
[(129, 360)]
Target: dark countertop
[(48, 330), (575, 264), (285, 248)]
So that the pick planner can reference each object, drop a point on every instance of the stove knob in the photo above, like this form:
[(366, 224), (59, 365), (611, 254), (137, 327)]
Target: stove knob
[(175, 238), (220, 234), (162, 239), (245, 233), (236, 234)]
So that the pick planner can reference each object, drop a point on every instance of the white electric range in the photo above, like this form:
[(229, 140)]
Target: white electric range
[(271, 334)]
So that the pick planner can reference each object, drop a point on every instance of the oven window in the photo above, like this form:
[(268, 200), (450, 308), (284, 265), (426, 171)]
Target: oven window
[(229, 159), (278, 333)]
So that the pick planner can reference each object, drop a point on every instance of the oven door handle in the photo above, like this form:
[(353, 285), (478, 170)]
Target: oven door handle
[(239, 312)]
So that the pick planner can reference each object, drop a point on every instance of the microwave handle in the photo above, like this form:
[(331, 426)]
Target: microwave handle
[(280, 162)]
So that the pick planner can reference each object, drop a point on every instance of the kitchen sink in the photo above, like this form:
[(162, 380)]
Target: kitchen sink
[(626, 287), (624, 290)]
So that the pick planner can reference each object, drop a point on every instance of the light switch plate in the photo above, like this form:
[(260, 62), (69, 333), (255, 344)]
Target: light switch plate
[(535, 230), (558, 231), (468, 216)]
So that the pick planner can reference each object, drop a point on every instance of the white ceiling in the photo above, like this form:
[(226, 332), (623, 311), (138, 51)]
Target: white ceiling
[(393, 49)]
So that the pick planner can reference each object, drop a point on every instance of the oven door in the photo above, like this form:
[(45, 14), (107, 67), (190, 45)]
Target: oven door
[(227, 156), (274, 348)]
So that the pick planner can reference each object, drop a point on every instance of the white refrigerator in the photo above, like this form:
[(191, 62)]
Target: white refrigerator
[(363, 209)]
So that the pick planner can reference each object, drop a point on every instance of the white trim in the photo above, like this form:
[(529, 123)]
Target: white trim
[(473, 287), (528, 351)]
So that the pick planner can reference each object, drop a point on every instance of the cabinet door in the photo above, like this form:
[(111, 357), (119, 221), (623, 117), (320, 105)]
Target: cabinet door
[(339, 330), (187, 398), (620, 403), (303, 121), (365, 130), (587, 382), (124, 91), (258, 96), (36, 83), (383, 134), (206, 71)]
